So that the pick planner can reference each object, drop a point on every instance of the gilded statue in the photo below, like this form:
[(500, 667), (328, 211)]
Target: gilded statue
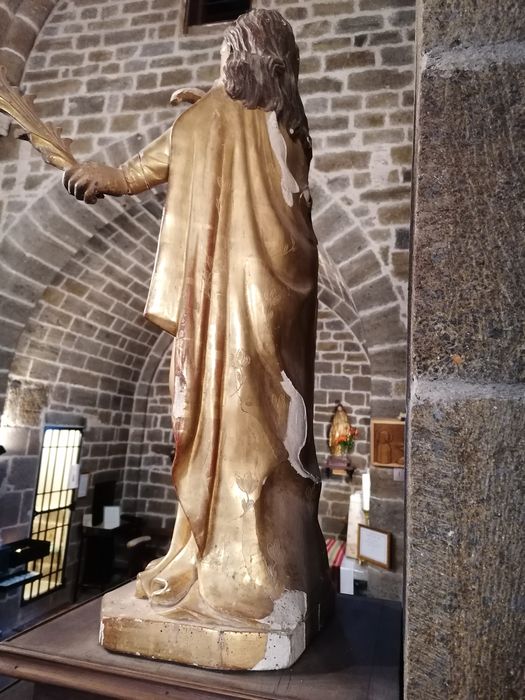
[(245, 581), (342, 435), (338, 431)]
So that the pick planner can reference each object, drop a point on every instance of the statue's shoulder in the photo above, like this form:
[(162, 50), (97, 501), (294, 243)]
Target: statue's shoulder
[(214, 104)]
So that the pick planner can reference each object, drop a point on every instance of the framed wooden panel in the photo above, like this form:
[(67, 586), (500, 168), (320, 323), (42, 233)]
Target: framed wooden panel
[(387, 442), (374, 546)]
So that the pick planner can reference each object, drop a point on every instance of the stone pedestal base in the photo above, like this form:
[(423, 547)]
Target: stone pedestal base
[(129, 625)]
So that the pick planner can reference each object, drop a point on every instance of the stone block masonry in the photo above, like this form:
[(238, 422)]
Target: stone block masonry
[(464, 575)]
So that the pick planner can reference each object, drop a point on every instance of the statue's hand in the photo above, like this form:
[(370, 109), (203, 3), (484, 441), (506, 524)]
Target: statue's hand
[(91, 181)]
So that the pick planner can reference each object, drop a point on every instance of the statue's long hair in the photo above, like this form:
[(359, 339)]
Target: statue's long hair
[(263, 67)]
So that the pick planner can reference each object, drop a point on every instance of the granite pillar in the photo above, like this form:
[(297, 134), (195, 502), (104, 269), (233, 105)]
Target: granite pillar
[(466, 416)]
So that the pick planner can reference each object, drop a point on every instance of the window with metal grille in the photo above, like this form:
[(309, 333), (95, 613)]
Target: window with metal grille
[(209, 11), (54, 502)]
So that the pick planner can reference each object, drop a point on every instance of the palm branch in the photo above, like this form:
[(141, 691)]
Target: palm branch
[(45, 137)]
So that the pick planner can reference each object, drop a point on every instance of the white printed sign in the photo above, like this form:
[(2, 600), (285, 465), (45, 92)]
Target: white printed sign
[(374, 546), (74, 471)]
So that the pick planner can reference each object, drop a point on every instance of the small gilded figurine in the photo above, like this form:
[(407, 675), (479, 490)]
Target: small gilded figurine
[(342, 435)]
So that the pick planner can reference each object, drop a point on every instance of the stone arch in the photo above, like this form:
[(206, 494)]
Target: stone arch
[(49, 235), (139, 419), (106, 84), (42, 240), (20, 23), (364, 294), (353, 225), (40, 256)]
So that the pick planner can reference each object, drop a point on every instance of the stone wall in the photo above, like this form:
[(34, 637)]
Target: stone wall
[(342, 375), (73, 278), (149, 488), (77, 362), (20, 23), (467, 411)]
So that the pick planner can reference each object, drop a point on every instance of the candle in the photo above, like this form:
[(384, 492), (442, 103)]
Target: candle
[(366, 491)]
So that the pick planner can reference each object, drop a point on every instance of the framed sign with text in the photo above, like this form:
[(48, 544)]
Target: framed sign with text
[(374, 546)]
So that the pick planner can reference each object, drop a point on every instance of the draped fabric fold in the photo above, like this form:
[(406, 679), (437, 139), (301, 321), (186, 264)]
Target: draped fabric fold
[(235, 281)]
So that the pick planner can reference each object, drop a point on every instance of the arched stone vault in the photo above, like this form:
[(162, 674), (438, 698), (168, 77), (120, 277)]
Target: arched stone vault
[(20, 24), (55, 227), (46, 237)]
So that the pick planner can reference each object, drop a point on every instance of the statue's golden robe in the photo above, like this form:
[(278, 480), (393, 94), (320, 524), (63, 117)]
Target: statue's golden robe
[(235, 281)]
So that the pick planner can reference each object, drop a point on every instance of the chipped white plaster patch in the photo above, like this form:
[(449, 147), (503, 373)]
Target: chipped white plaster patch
[(278, 653), (296, 427), (286, 644), (288, 611), (278, 144), (178, 408)]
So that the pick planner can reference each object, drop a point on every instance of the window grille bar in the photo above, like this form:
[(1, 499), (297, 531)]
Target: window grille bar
[(53, 506), (66, 468)]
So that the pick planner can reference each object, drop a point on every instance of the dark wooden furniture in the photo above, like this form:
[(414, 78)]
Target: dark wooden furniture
[(356, 657), (339, 466), (104, 558), (16, 555)]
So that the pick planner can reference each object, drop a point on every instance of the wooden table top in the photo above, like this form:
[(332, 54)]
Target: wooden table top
[(356, 657)]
